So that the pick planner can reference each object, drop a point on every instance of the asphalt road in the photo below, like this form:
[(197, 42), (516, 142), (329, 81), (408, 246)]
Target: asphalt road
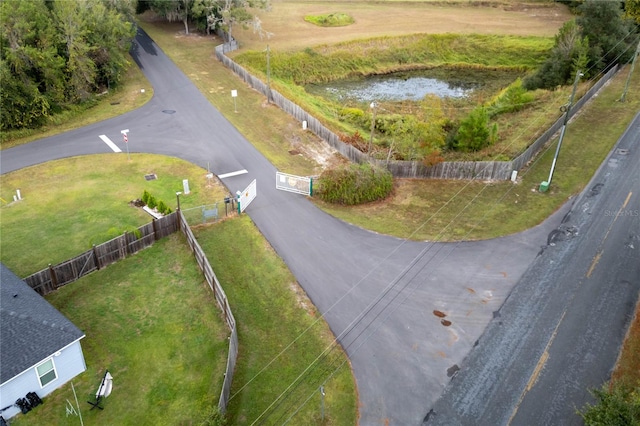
[(560, 332), (380, 295)]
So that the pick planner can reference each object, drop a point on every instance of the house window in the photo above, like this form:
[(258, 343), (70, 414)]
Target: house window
[(46, 372)]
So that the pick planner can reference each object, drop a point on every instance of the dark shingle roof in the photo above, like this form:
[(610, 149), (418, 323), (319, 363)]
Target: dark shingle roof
[(31, 329)]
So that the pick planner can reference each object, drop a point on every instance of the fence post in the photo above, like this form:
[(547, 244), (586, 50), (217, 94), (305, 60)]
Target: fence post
[(122, 243), (155, 229), (54, 279), (226, 310), (95, 255)]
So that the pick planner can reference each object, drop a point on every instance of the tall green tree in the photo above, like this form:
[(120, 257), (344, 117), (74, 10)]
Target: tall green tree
[(31, 70), (95, 40), (226, 14), (72, 20), (632, 10), (110, 38), (57, 52), (570, 52), (611, 36), (174, 10)]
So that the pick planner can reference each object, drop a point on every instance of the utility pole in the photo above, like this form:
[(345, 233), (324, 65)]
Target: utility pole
[(544, 186), (633, 64)]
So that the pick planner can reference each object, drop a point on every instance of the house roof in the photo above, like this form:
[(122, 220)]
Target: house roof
[(31, 329)]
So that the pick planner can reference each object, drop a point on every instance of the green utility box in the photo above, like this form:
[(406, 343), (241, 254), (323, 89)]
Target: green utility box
[(544, 186)]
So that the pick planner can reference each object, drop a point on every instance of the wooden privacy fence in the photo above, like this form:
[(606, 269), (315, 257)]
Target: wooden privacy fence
[(223, 303), (482, 170), (54, 277)]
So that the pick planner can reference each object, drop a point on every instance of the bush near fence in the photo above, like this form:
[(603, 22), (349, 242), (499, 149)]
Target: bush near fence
[(54, 277), (482, 170)]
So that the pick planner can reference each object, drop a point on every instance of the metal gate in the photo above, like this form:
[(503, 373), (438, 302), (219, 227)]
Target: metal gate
[(298, 184)]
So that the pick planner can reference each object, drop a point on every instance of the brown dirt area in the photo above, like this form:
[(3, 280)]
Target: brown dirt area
[(392, 18)]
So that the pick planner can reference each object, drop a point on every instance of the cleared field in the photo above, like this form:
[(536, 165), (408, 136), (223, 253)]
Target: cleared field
[(391, 18)]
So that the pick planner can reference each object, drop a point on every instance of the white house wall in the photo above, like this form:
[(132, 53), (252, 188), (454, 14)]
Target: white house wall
[(68, 364)]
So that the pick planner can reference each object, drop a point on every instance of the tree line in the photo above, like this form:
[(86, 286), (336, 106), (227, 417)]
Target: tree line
[(603, 34), (57, 53)]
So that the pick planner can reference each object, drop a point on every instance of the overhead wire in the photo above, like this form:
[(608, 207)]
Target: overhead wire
[(336, 343)]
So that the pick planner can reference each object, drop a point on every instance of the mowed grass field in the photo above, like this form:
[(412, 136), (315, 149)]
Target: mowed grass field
[(285, 21)]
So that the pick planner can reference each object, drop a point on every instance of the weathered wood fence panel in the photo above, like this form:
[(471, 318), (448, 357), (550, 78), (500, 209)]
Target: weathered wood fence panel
[(102, 255), (483, 170), (41, 282)]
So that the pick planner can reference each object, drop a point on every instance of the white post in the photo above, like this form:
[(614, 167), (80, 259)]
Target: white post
[(19, 195), (185, 186), (126, 141), (234, 95)]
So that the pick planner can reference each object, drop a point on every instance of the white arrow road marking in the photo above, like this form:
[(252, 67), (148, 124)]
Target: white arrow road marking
[(239, 172), (110, 144)]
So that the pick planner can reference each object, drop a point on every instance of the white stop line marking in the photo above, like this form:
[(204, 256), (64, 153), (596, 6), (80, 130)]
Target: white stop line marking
[(110, 144), (226, 175)]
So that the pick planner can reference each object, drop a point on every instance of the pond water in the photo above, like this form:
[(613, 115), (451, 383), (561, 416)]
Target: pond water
[(412, 86), (392, 87)]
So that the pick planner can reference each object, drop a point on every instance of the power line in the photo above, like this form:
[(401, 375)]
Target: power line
[(314, 365)]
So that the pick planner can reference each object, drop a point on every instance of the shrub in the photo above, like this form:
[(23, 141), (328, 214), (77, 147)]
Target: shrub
[(356, 140), (214, 418), (145, 196), (474, 132), (152, 202), (330, 20), (354, 115), (617, 406), (162, 207), (512, 99), (354, 184)]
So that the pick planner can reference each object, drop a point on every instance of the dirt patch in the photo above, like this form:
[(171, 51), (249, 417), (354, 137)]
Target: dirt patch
[(312, 147), (373, 19), (301, 298)]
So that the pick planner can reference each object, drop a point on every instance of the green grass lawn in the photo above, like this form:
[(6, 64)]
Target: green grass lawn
[(70, 204), (274, 314), (153, 322)]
